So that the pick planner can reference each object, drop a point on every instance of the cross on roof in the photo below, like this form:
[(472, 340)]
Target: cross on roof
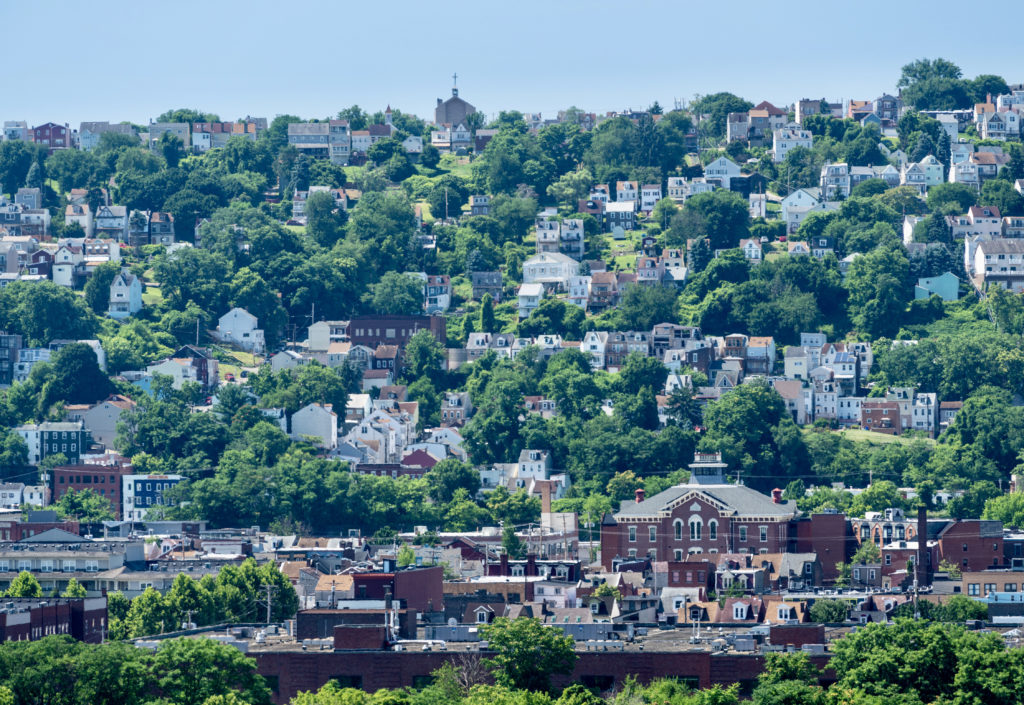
[(455, 79)]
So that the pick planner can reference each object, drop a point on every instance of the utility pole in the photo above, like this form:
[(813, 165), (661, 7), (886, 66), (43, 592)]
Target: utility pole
[(197, 332), (269, 586)]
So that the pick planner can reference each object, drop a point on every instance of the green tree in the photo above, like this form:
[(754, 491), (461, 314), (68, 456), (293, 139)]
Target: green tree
[(450, 475), (717, 107), (406, 556), (487, 324), (84, 506), (74, 589), (830, 611), (514, 547), (430, 156), (424, 356), (192, 670), (526, 653), (951, 198), (77, 378), (397, 294), (1007, 508), (24, 585), (97, 288), (324, 220)]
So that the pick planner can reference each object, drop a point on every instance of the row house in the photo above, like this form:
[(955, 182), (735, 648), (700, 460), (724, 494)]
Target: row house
[(68, 438), (626, 191), (579, 291), (622, 344), (680, 188), (215, 135), (146, 227), (999, 262), (456, 409), (181, 130), (922, 175), (993, 124), (89, 133), (560, 236), (437, 293), (757, 125), (620, 215), (486, 283), (322, 140)]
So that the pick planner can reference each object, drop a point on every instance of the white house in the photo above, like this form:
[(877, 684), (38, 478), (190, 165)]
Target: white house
[(529, 298), (595, 343), (287, 360), (79, 213), (125, 295), (241, 328), (789, 138), (627, 191), (579, 290), (65, 261), (752, 250), (551, 269), (316, 421), (721, 170), (650, 194), (797, 205)]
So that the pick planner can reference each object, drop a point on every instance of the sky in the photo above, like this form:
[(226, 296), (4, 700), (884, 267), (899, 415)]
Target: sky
[(133, 60)]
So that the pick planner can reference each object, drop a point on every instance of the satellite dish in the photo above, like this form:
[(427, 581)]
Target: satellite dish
[(452, 622)]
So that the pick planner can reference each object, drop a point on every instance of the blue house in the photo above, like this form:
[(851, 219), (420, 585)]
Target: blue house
[(945, 286)]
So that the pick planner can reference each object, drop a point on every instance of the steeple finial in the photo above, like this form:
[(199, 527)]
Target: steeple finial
[(455, 84)]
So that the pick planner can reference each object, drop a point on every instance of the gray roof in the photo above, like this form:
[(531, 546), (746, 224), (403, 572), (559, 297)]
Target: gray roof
[(738, 499), (1002, 246)]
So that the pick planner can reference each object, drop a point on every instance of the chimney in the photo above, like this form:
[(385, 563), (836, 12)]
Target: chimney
[(639, 495), (531, 564), (545, 497), (922, 569), (504, 563), (777, 495)]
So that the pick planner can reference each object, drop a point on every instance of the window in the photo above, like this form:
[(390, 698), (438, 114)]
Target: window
[(871, 574), (632, 534), (856, 573), (989, 588), (678, 553), (743, 533), (481, 617), (965, 548), (1010, 587), (739, 611), (696, 525), (972, 589), (888, 559), (652, 533), (764, 534), (632, 553)]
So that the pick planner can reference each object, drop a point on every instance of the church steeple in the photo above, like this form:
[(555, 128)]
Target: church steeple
[(455, 85)]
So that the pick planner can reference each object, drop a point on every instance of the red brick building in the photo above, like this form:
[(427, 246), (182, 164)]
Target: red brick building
[(52, 136), (829, 536), (972, 544), (38, 522), (881, 416), (104, 480), (704, 516), (30, 619)]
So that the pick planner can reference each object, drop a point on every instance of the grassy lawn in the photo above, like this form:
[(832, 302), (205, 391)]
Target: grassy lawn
[(151, 296), (297, 229), (859, 435), (455, 165)]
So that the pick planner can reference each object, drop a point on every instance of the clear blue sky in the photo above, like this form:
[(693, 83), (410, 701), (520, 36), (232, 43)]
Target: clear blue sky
[(120, 60)]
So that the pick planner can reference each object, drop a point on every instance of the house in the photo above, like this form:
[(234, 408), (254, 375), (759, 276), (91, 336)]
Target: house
[(620, 215), (721, 171), (437, 293), (787, 138), (181, 130), (456, 409), (318, 422), (16, 130), (322, 334), (627, 191), (965, 173), (650, 194), (1000, 262), (579, 291), (139, 493), (480, 204), (604, 291), (486, 283), (681, 188), (751, 250), (946, 286), (89, 133), (189, 363), (125, 295), (111, 222), (80, 214), (551, 269), (797, 205), (150, 228), (529, 298), (52, 136), (66, 262), (797, 248), (101, 418), (240, 328), (69, 438), (835, 182)]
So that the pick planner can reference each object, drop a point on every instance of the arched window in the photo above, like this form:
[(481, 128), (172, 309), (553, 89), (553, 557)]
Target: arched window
[(678, 526), (713, 530), (696, 526)]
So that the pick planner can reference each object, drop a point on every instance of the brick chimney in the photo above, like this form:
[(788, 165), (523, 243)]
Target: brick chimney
[(639, 495), (545, 497), (777, 495)]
